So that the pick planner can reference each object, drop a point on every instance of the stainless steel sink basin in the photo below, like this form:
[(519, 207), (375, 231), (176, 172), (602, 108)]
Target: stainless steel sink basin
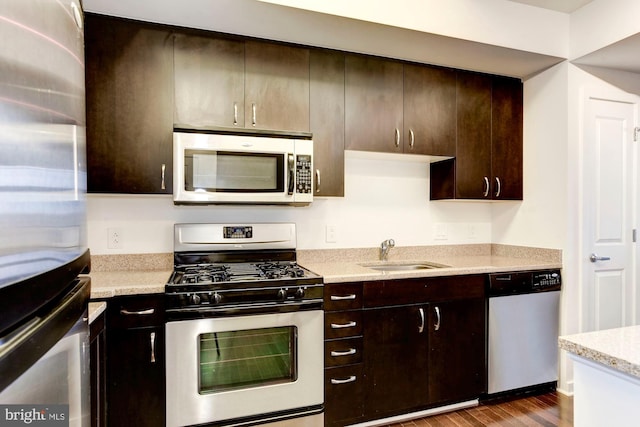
[(402, 266)]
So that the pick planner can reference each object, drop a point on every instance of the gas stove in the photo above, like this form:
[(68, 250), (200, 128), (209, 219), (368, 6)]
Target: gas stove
[(221, 268)]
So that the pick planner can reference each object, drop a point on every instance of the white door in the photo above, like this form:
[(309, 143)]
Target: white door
[(608, 213)]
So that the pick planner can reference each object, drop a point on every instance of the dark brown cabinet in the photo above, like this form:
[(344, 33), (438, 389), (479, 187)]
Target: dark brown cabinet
[(424, 343), (136, 361), (373, 104), (429, 110), (396, 362), (97, 369), (488, 162), (129, 96), (244, 84), (456, 350), (208, 81), (327, 121), (343, 388)]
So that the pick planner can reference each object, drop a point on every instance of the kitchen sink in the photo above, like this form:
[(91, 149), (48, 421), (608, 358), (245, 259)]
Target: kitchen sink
[(402, 266)]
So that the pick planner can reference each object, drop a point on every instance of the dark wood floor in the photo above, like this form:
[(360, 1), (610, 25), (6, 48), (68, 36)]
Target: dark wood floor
[(551, 409)]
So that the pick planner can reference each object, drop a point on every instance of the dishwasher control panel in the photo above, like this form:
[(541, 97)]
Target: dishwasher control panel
[(523, 282)]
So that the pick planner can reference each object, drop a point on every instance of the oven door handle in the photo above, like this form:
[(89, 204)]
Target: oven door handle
[(243, 309)]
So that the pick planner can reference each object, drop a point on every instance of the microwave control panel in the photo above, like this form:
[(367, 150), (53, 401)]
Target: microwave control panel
[(303, 174)]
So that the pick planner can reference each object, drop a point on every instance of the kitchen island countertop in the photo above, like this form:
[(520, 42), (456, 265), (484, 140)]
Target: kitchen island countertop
[(618, 348)]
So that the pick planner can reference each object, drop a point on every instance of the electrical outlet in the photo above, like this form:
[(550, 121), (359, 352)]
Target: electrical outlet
[(114, 238), (331, 234)]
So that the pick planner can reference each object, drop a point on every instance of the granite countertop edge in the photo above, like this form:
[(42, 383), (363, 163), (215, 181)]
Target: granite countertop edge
[(617, 348)]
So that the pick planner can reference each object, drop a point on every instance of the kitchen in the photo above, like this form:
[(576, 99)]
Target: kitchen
[(382, 192)]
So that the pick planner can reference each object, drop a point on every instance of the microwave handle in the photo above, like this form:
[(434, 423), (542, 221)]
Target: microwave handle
[(292, 168)]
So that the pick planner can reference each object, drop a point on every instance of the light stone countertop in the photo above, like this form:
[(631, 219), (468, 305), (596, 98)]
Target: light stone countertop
[(95, 309), (107, 284), (615, 348), (116, 275)]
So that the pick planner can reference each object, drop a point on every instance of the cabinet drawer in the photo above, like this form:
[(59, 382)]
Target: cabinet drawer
[(135, 311), (345, 351), (342, 296), (342, 324), (343, 394)]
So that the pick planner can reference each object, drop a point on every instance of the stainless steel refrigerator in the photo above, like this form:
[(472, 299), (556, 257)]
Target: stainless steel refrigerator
[(44, 290)]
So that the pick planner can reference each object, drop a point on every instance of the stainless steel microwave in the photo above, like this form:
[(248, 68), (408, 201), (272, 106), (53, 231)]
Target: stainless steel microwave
[(211, 168)]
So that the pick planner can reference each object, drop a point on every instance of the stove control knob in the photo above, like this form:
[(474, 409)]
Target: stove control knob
[(300, 293), (216, 298), (282, 294), (195, 299)]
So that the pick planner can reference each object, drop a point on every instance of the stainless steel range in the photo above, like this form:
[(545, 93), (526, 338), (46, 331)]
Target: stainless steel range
[(244, 329)]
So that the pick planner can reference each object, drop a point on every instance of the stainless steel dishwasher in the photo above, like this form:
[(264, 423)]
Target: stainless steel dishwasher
[(523, 317)]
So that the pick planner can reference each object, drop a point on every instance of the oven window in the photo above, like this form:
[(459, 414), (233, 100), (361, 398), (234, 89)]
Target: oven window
[(250, 358), (222, 171)]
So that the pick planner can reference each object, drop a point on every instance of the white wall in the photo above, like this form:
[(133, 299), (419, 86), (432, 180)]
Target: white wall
[(384, 198)]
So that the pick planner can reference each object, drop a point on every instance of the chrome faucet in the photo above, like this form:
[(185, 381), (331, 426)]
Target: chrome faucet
[(385, 247)]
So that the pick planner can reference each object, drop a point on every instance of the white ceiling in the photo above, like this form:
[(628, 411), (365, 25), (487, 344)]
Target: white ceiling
[(566, 6)]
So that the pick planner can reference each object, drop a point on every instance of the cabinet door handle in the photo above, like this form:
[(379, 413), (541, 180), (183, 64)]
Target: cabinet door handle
[(412, 138), (349, 352), (138, 313), (253, 114), (351, 379), (421, 327), (486, 187), (163, 169), (499, 187), (235, 114), (397, 137), (342, 297), (343, 325), (317, 180), (153, 347), (436, 327)]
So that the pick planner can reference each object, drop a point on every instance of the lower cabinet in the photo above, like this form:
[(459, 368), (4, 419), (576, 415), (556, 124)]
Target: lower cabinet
[(136, 361), (400, 346), (97, 368), (396, 363)]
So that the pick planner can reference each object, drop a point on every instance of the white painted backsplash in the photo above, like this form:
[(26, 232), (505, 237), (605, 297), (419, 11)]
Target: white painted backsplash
[(385, 197)]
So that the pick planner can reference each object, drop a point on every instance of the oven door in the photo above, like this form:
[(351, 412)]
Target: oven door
[(246, 368), (214, 168)]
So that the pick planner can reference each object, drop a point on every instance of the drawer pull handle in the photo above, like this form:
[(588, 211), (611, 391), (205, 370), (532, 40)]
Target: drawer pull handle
[(342, 298), (351, 379), (138, 313), (343, 325), (349, 352)]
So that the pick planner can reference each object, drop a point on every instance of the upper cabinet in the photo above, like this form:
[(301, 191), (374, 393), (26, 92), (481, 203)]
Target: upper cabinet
[(373, 104), (429, 110), (327, 121), (229, 83), (129, 104), (488, 162), (208, 81)]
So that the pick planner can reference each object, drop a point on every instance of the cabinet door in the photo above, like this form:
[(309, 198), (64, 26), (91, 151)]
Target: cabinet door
[(456, 350), (373, 104), (429, 110), (506, 138), (208, 81), (129, 86), (136, 386), (327, 121), (473, 152), (276, 87), (97, 369), (396, 357)]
